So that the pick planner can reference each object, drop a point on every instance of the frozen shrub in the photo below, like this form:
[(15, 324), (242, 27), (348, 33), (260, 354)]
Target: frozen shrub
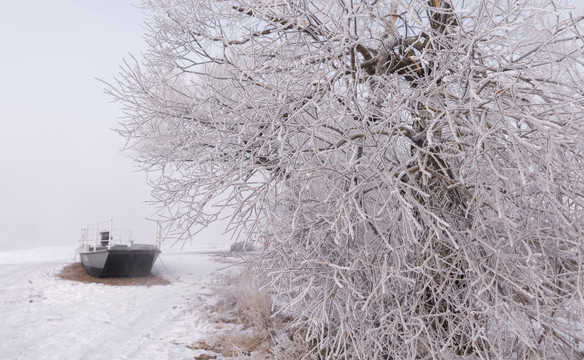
[(414, 168)]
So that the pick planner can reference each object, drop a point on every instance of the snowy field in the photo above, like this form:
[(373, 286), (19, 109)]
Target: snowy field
[(45, 317)]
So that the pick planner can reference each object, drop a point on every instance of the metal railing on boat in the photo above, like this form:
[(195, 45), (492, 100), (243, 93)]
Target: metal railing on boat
[(102, 235)]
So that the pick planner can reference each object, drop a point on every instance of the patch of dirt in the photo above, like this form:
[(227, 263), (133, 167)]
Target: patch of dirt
[(205, 357), (76, 272), (233, 345)]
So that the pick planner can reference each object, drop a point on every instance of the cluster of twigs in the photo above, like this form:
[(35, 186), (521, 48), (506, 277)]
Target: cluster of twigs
[(415, 168)]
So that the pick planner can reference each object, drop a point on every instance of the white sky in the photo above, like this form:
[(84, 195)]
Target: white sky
[(60, 164)]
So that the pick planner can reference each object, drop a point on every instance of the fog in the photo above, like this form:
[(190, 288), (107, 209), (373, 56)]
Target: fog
[(60, 162)]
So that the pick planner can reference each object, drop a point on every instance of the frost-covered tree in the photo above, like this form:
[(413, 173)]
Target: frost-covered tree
[(415, 167)]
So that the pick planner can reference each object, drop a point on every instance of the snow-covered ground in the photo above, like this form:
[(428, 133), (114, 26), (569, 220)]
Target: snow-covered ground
[(45, 317)]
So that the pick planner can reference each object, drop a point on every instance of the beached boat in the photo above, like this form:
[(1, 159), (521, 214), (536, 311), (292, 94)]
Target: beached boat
[(108, 252)]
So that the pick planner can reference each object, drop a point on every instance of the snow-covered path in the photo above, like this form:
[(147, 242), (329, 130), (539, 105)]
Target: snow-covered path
[(45, 317)]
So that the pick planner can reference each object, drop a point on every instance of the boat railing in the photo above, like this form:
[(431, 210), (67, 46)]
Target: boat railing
[(102, 235), (158, 236)]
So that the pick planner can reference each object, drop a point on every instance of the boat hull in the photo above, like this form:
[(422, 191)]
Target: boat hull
[(119, 261)]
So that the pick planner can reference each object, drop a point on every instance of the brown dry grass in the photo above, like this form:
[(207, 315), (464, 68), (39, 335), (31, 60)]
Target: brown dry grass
[(233, 345), (76, 272), (244, 312)]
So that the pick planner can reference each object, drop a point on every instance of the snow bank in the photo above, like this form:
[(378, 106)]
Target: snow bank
[(44, 317)]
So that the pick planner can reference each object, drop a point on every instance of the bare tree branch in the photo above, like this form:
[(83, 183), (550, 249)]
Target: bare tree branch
[(415, 167)]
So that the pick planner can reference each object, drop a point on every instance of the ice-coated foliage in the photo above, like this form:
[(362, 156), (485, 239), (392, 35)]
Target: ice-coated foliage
[(415, 168)]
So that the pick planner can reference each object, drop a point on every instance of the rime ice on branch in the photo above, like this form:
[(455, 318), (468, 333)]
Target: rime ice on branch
[(416, 167)]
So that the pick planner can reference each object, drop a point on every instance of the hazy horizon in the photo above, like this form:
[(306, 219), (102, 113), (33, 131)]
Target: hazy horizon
[(61, 166)]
